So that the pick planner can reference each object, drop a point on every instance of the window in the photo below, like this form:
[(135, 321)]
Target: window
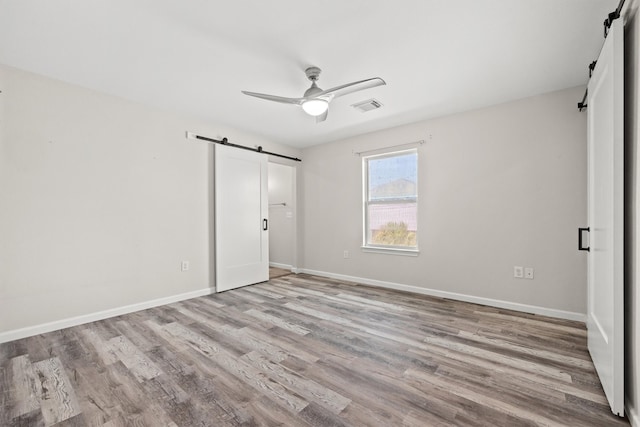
[(391, 201)]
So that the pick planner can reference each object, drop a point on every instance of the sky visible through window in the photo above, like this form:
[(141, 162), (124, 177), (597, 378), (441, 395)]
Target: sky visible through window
[(388, 169)]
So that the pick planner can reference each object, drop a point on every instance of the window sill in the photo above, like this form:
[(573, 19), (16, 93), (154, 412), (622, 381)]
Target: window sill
[(391, 251)]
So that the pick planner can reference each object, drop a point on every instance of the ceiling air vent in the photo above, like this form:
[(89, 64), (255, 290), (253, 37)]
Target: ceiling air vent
[(368, 105)]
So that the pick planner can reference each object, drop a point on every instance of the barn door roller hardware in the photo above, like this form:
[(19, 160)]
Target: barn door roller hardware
[(612, 17), (583, 104), (607, 24)]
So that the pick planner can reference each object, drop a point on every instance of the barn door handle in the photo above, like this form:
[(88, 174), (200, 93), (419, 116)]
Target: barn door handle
[(580, 246), (265, 224)]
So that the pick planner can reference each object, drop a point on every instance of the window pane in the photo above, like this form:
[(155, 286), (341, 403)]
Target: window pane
[(393, 224), (393, 176), (391, 196)]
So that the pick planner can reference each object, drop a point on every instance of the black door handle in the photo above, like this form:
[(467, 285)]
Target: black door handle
[(265, 224), (580, 246)]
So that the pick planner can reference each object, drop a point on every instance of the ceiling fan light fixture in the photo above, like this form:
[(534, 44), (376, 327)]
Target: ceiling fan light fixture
[(315, 101), (315, 107)]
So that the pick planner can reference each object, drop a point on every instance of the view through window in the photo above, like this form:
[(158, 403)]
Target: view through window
[(391, 200)]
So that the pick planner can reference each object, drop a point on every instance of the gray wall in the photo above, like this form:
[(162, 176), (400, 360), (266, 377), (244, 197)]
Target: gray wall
[(499, 187), (632, 211), (101, 199)]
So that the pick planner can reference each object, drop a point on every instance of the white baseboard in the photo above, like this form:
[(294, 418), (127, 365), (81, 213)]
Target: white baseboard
[(632, 414), (561, 314), (282, 266), (92, 317)]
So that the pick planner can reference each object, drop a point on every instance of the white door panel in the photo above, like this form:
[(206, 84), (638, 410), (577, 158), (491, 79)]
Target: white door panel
[(241, 208), (605, 311)]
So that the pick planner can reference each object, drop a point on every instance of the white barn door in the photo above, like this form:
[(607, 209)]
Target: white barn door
[(241, 218), (605, 311)]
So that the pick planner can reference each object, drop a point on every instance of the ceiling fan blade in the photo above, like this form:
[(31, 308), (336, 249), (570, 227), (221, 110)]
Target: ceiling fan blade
[(322, 117), (281, 99), (352, 87)]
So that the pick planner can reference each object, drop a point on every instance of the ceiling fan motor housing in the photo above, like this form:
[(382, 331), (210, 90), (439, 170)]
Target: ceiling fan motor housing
[(312, 91), (313, 73)]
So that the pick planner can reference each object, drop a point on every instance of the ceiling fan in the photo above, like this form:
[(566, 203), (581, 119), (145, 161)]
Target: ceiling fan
[(315, 101)]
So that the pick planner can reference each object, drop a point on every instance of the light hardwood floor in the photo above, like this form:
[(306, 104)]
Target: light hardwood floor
[(306, 351), (275, 272)]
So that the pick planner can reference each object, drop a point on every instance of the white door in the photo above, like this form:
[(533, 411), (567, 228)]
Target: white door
[(605, 316), (241, 222)]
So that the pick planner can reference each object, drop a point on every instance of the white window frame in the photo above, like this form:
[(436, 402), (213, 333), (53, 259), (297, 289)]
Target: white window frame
[(388, 249)]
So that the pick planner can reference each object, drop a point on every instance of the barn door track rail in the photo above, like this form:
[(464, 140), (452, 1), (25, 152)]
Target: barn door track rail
[(225, 141)]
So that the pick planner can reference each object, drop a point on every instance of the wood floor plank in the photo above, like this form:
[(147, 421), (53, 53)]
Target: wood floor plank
[(133, 405), (481, 399), (216, 392), (506, 360), (510, 372), (271, 351), (238, 368), (134, 359), (262, 292), (310, 390), (136, 333), (23, 387), (302, 350), (386, 396), (103, 349), (289, 342), (95, 395), (57, 398), (31, 419), (277, 321)]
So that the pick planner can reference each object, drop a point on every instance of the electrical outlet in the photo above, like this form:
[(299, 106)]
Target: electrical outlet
[(518, 272), (346, 254), (528, 273), (184, 266)]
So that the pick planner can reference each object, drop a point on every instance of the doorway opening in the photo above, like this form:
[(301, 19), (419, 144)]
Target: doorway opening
[(282, 219)]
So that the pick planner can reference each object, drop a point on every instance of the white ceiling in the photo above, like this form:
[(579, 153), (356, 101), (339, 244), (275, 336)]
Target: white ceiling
[(195, 56)]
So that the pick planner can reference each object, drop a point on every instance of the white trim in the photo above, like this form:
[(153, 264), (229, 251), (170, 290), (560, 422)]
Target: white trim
[(384, 150), (632, 414), (629, 11), (534, 309), (92, 317), (282, 266), (390, 251)]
